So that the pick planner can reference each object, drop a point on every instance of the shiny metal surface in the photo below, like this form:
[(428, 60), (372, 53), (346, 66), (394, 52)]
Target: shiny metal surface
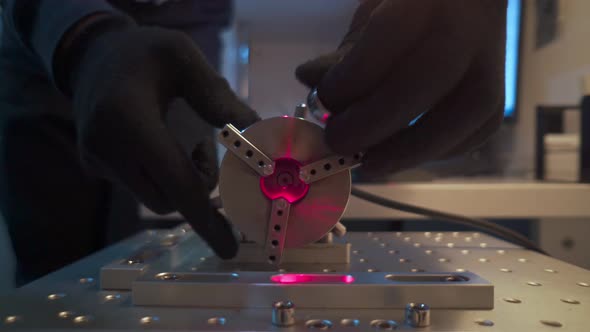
[(354, 290), (329, 166), (508, 267), (384, 324), (283, 313), (159, 251), (247, 152), (418, 314), (301, 111), (277, 230), (249, 209), (315, 106), (315, 253)]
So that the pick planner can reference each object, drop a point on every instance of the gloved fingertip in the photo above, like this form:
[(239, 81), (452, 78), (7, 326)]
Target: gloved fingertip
[(305, 74), (245, 118), (203, 158), (226, 245), (219, 234), (312, 72)]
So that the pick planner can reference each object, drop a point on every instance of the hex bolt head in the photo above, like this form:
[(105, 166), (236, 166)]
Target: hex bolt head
[(417, 315), (268, 169), (281, 203), (304, 176), (283, 313)]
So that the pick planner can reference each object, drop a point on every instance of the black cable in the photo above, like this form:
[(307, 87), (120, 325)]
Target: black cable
[(483, 225)]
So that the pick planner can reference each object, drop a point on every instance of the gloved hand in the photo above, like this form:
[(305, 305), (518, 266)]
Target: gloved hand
[(122, 85), (403, 58)]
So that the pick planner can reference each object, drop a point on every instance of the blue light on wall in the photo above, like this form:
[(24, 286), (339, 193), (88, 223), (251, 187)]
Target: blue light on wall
[(244, 54), (512, 52)]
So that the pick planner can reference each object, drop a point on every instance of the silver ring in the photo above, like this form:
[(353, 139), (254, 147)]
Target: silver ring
[(316, 108)]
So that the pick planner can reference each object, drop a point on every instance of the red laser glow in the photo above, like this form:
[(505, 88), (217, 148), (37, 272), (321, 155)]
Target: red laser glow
[(312, 279), (284, 182)]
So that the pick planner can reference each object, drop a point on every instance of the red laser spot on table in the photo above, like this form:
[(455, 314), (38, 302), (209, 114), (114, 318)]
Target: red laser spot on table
[(312, 279)]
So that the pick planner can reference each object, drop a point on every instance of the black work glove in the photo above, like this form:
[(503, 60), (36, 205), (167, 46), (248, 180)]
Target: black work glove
[(402, 58), (122, 85)]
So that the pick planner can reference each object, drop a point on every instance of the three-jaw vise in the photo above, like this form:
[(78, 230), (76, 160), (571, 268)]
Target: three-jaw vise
[(282, 186)]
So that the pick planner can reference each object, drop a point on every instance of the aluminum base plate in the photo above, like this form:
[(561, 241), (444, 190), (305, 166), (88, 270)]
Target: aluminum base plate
[(532, 292)]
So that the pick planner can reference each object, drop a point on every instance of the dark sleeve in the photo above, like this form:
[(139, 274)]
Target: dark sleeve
[(179, 14), (40, 24)]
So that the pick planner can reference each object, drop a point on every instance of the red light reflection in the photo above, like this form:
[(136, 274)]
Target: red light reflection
[(312, 279), (284, 182)]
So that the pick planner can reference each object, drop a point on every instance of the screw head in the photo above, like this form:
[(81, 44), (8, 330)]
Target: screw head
[(83, 319), (11, 319), (87, 280), (512, 300), (570, 301), (383, 324), (484, 322), (65, 314), (304, 176), (55, 296), (148, 320), (112, 297), (283, 313), (551, 323), (319, 324), (216, 321), (350, 322), (281, 203), (418, 314), (268, 169), (283, 305), (167, 276)]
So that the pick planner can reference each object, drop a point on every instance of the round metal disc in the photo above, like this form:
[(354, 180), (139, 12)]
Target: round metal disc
[(249, 209)]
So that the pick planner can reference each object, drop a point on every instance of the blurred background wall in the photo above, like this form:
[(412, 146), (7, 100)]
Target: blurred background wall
[(552, 74)]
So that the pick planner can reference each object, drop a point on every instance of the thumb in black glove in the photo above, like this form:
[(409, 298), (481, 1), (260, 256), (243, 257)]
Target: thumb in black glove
[(122, 84), (312, 72)]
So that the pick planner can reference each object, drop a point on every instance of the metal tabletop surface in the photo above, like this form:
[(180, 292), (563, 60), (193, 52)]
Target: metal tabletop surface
[(532, 292)]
